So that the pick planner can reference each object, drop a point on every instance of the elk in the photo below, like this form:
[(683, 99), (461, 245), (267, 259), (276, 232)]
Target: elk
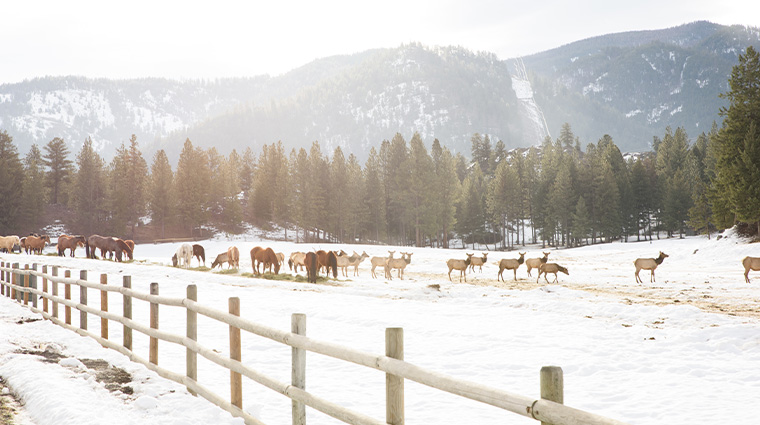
[(510, 264), (381, 261), (534, 263), (297, 259), (345, 261), (461, 265), (358, 261), (648, 264), (547, 268), (398, 263), (478, 261), (750, 263)]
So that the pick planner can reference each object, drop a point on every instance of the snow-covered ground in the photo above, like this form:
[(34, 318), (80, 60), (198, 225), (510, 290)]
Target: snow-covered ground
[(683, 350)]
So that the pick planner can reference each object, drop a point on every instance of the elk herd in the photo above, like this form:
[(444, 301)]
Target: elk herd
[(265, 260)]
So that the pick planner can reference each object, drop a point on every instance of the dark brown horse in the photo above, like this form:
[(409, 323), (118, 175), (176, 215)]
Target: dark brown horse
[(199, 253), (312, 266), (105, 244), (328, 260), (70, 242), (268, 258)]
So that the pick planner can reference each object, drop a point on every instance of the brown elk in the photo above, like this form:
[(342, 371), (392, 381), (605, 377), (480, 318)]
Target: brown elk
[(510, 264), (533, 263), (648, 264), (750, 263), (478, 261), (547, 268), (398, 263), (461, 265), (381, 261)]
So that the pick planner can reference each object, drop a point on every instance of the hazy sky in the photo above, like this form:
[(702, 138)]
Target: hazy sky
[(189, 39)]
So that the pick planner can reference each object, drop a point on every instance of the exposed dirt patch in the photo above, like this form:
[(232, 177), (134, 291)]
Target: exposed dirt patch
[(10, 407), (114, 378), (49, 354), (28, 320)]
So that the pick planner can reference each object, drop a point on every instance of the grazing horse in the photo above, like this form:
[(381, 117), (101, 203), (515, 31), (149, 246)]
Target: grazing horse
[(105, 245), (70, 242), (131, 244), (268, 258), (199, 253), (311, 262), (750, 263), (328, 260), (254, 251), (35, 244), (183, 255), (233, 254), (9, 243)]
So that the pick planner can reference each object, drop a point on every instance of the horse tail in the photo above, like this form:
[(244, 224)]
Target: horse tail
[(311, 267), (333, 261), (87, 247)]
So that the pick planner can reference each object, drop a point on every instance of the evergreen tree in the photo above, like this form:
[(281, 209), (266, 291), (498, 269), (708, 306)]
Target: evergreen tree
[(60, 167), (374, 196), (338, 189), (420, 184), (447, 189), (33, 189), (192, 188), (737, 151), (89, 192), (161, 195), (581, 220), (566, 137), (562, 199), (10, 185)]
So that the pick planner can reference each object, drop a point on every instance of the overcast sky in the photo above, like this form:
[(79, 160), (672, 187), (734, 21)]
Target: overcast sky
[(222, 38)]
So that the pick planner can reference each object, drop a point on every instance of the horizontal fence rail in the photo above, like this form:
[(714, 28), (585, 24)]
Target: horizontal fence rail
[(21, 284)]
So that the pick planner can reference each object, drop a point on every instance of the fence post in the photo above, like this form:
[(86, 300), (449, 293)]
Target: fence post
[(14, 279), (127, 283), (191, 361), (394, 385), (2, 278), (236, 381), (552, 385), (104, 307), (83, 300), (44, 289), (33, 284), (54, 284), (298, 378), (153, 355), (26, 285), (67, 295)]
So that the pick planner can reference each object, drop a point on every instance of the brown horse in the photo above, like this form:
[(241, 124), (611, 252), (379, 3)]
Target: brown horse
[(268, 258), (312, 267), (233, 256), (328, 260), (131, 244), (105, 245), (70, 242), (199, 253), (254, 251)]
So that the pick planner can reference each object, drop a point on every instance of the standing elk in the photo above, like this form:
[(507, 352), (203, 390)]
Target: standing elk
[(534, 263), (398, 263), (381, 261), (478, 261), (547, 268), (648, 264), (461, 265), (510, 264), (750, 263)]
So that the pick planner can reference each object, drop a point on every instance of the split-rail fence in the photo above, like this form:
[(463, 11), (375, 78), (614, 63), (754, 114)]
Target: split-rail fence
[(22, 285)]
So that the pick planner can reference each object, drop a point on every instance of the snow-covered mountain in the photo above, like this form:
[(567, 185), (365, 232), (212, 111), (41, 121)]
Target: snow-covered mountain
[(628, 85)]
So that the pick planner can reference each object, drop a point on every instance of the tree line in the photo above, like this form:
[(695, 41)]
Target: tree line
[(404, 193)]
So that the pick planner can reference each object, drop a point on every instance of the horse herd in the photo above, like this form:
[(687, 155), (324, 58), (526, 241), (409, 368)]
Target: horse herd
[(34, 244), (265, 259)]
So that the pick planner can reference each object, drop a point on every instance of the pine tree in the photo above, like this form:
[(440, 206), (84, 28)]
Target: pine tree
[(447, 189), (192, 188), (338, 189), (10, 185), (33, 189), (89, 191), (374, 196), (737, 156), (60, 167), (161, 196), (581, 220), (420, 184)]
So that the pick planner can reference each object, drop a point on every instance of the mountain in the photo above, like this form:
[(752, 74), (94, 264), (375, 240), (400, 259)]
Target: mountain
[(630, 85)]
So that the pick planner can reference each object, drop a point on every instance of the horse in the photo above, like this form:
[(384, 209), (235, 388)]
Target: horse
[(69, 242), (183, 255), (9, 243), (328, 260), (234, 257), (255, 250), (199, 253), (35, 244), (268, 258), (311, 261), (131, 244), (105, 245), (297, 259)]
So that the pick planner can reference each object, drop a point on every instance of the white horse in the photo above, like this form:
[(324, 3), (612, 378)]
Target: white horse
[(9, 243), (184, 253)]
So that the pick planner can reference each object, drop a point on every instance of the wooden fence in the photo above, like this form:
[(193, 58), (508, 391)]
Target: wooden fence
[(22, 284)]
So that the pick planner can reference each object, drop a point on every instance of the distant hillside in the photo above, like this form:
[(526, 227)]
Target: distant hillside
[(629, 85), (633, 85)]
